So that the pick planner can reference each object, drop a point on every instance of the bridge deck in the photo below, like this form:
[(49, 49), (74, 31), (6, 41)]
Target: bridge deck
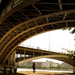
[(31, 50)]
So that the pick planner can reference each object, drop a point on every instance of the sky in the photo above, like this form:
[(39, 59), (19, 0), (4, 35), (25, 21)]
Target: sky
[(52, 40)]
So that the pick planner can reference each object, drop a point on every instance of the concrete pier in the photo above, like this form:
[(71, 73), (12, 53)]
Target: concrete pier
[(74, 70), (9, 65)]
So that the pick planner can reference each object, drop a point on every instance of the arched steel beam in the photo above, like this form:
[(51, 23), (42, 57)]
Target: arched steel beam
[(22, 4), (38, 57), (16, 46), (34, 28), (63, 58), (36, 18), (30, 21), (66, 60)]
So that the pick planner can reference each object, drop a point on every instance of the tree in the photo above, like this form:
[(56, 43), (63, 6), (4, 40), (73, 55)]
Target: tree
[(72, 30), (70, 54)]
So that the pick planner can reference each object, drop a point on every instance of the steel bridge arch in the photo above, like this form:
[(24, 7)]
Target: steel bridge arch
[(11, 35), (57, 57)]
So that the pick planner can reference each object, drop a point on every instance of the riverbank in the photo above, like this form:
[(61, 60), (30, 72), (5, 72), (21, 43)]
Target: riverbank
[(43, 73), (45, 70), (38, 73), (23, 71)]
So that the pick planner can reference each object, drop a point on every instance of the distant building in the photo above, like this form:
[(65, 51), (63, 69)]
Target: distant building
[(49, 63), (54, 64), (46, 64), (65, 65)]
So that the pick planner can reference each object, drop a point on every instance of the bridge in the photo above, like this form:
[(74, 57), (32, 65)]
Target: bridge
[(24, 54), (29, 54), (23, 19)]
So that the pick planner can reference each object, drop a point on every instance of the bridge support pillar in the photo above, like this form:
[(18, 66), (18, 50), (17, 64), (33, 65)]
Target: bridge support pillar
[(24, 54), (20, 55), (74, 70), (33, 54), (41, 54), (11, 61)]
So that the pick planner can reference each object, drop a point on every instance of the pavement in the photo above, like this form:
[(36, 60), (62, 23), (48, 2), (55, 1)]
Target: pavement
[(12, 74), (38, 73)]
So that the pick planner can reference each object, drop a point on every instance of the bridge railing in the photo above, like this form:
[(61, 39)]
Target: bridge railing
[(10, 6), (45, 49), (37, 47), (34, 47)]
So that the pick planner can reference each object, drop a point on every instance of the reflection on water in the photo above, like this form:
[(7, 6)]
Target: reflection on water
[(61, 71)]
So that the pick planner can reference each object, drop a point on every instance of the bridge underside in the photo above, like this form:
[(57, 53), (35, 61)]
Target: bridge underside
[(27, 18), (29, 54), (56, 57), (23, 53)]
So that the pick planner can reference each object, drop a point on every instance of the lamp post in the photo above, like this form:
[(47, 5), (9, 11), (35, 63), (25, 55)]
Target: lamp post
[(30, 42), (69, 46), (74, 48), (74, 38), (49, 41)]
